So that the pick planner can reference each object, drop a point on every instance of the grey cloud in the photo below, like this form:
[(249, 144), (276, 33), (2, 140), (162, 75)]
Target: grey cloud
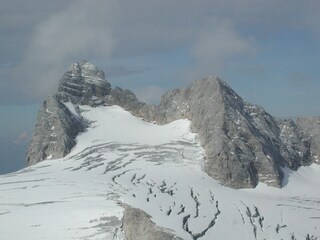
[(121, 71), (160, 25), (46, 36), (17, 20), (214, 48), (77, 31)]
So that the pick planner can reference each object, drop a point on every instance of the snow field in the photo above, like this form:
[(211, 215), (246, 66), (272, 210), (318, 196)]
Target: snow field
[(122, 159)]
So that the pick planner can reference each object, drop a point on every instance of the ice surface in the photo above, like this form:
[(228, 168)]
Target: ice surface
[(122, 159)]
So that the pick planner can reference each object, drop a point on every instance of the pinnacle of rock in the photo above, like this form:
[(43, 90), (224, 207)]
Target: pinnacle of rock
[(83, 83)]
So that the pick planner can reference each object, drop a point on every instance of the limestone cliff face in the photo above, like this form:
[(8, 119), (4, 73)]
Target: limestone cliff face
[(56, 127), (54, 133), (83, 84), (310, 129), (244, 144)]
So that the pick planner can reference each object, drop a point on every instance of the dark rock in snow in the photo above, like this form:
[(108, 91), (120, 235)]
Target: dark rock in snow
[(136, 224)]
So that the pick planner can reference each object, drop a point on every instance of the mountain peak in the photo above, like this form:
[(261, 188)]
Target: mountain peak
[(244, 145), (217, 88), (83, 83), (88, 71), (212, 81), (131, 179)]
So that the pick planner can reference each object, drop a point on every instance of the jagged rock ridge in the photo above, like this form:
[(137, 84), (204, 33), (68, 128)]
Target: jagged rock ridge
[(54, 133), (56, 127), (244, 144)]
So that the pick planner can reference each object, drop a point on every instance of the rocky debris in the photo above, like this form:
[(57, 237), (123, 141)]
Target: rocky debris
[(310, 128), (54, 133), (136, 224)]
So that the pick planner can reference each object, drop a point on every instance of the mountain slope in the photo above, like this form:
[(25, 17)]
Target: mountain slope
[(123, 170), (55, 132), (244, 145)]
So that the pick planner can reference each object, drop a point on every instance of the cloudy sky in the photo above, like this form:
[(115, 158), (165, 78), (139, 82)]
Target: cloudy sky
[(267, 50)]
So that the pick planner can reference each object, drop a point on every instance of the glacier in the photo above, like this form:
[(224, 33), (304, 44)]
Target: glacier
[(121, 160)]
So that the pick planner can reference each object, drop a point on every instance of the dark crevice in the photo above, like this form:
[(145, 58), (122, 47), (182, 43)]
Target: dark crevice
[(182, 209), (195, 236), (242, 217), (119, 175), (140, 178), (133, 178), (195, 198), (169, 211), (278, 228)]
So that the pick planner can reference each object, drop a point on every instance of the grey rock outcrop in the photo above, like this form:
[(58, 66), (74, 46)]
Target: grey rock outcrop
[(124, 98), (310, 128), (83, 84), (297, 147), (56, 127), (54, 133), (136, 224), (243, 143)]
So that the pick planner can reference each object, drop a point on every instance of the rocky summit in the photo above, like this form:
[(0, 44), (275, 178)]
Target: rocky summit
[(83, 84), (243, 144)]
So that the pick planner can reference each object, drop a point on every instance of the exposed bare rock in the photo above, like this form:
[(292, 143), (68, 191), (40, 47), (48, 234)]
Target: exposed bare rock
[(310, 127), (83, 84), (137, 225), (56, 127), (54, 133), (297, 147), (244, 144), (125, 99)]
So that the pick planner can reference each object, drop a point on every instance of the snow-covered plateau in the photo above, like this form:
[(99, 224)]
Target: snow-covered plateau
[(122, 160)]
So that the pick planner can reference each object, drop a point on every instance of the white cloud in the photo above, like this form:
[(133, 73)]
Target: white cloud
[(215, 31), (81, 30), (214, 48)]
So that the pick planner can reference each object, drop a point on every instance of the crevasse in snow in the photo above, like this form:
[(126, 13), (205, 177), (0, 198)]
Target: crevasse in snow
[(122, 159)]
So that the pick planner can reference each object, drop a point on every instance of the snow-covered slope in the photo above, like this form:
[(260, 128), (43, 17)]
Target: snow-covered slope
[(120, 160)]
